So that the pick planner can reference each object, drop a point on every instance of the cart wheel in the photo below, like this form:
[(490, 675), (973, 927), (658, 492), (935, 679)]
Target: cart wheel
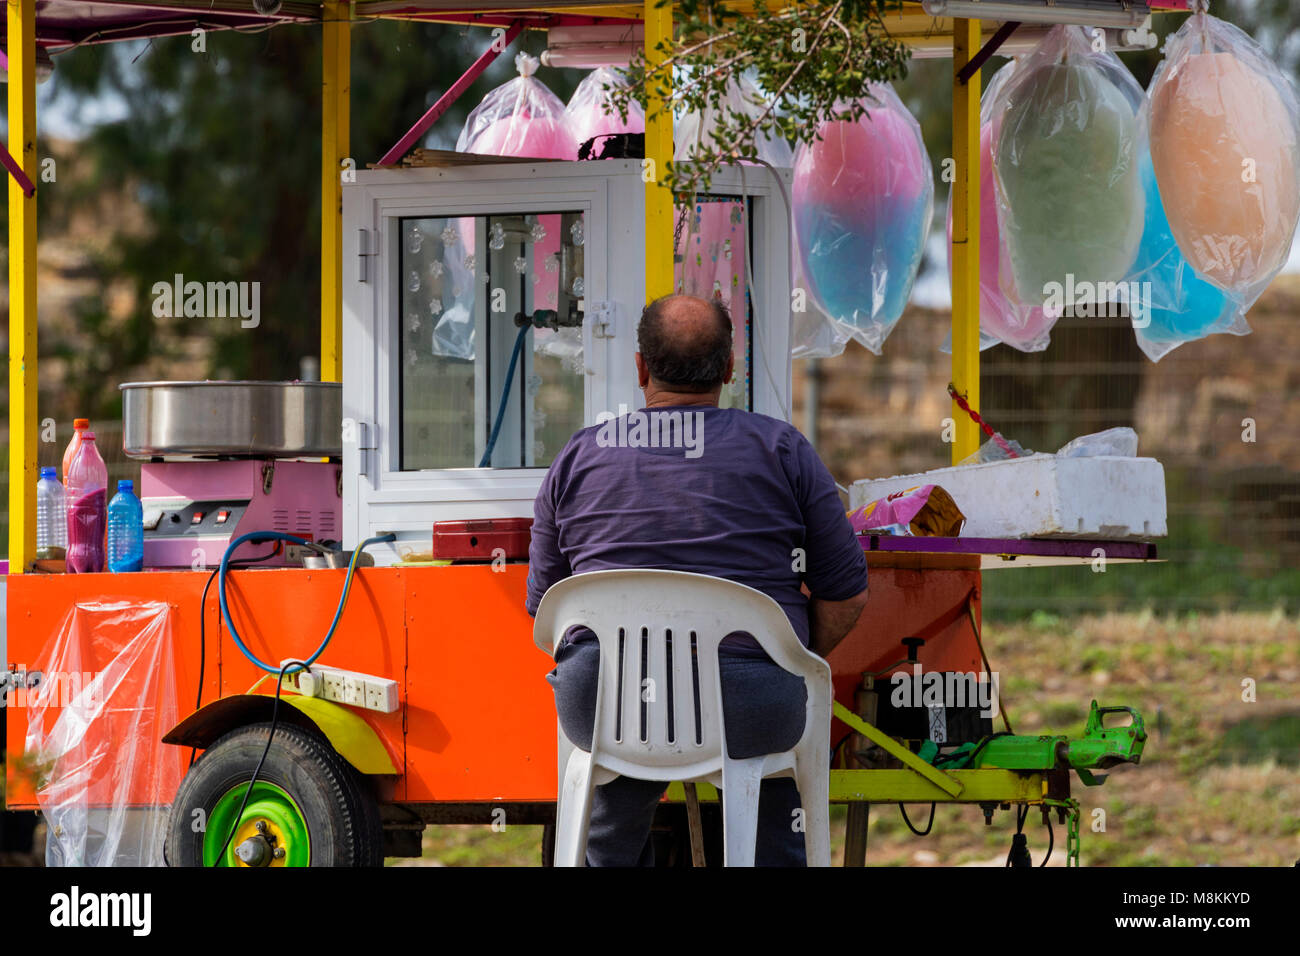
[(309, 807)]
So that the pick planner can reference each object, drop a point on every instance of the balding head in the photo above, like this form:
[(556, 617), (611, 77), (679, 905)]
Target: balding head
[(685, 343)]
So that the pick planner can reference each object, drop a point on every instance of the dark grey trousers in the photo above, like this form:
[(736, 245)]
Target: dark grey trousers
[(763, 710)]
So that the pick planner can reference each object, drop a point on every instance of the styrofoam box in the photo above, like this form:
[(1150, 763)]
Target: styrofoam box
[(1042, 495)]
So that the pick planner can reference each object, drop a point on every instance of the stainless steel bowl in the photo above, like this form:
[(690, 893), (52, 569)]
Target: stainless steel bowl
[(187, 420)]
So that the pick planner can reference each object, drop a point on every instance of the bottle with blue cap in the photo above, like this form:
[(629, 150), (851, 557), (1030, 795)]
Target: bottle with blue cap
[(51, 517), (125, 530)]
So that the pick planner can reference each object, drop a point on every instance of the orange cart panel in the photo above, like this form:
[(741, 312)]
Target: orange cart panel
[(477, 718)]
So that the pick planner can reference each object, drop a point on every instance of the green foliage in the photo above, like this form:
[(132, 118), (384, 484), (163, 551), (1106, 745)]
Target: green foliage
[(1275, 737), (813, 60)]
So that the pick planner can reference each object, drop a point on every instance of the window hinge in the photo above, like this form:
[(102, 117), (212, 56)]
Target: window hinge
[(366, 447), (365, 252)]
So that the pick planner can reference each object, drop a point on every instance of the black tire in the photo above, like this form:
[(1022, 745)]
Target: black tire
[(336, 802)]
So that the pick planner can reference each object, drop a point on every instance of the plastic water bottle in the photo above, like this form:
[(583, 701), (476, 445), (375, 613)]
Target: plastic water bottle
[(51, 517), (125, 530), (87, 508), (79, 427)]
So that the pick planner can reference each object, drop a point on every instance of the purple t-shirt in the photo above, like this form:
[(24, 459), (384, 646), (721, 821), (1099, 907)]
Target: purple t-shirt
[(697, 488)]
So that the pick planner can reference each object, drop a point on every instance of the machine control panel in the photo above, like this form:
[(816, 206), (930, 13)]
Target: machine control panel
[(179, 518)]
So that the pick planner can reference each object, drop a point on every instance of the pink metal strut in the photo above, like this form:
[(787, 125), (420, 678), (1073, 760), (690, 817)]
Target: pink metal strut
[(435, 111)]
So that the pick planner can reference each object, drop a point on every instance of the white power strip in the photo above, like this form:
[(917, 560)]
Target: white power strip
[(344, 687)]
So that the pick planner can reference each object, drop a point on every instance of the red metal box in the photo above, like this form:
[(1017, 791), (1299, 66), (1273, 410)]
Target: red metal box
[(482, 539)]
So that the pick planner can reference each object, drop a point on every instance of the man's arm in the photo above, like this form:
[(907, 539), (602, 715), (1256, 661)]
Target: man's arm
[(831, 621), (836, 570)]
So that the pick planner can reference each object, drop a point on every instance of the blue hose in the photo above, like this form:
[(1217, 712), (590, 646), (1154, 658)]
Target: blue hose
[(256, 536), (505, 395)]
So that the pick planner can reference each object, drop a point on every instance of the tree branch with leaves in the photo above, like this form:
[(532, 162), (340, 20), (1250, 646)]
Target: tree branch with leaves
[(814, 60)]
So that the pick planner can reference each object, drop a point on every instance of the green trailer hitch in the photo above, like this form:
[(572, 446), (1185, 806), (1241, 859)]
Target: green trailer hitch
[(1099, 748), (1102, 748)]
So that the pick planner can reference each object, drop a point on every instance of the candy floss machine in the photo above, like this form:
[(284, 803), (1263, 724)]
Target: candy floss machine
[(221, 459)]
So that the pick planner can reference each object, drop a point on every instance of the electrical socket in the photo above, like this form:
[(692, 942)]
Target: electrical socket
[(333, 687), (294, 553), (354, 691), (346, 687), (381, 696)]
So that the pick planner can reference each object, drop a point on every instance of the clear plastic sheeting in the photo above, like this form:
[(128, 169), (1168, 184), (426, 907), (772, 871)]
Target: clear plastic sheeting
[(1065, 160), (814, 334), (710, 248), (452, 290), (107, 696), (1116, 442), (564, 344), (696, 131), (863, 199), (1225, 145), (519, 118), (993, 450), (709, 232), (591, 111)]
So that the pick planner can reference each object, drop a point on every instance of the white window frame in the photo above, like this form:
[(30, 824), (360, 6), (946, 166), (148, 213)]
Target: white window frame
[(378, 496)]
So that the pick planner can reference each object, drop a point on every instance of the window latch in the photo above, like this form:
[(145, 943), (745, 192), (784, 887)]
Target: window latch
[(602, 320)]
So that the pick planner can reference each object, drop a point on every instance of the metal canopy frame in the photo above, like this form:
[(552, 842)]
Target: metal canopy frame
[(60, 25)]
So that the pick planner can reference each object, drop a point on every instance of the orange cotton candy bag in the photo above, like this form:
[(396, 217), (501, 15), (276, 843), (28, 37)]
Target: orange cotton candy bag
[(1225, 145)]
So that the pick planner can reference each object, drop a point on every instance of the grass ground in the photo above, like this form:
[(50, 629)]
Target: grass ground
[(1219, 782)]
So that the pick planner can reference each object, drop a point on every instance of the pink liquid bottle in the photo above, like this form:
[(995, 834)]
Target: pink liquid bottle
[(87, 508)]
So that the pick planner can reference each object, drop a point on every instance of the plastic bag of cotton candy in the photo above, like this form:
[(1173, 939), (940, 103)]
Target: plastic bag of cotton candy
[(1065, 168), (591, 111), (863, 197), (1003, 318), (519, 118), (1224, 153)]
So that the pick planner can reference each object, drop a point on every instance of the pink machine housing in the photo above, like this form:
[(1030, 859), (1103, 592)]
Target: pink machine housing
[(194, 509)]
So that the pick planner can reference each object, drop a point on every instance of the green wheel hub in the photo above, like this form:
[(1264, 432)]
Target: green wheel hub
[(271, 827)]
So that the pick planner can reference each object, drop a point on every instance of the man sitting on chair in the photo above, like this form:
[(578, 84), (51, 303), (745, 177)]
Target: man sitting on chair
[(709, 490)]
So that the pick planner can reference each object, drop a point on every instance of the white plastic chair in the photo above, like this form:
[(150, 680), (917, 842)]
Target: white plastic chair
[(646, 723)]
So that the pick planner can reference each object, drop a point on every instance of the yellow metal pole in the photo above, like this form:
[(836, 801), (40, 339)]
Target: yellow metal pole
[(965, 238), (21, 51), (659, 153), (336, 76)]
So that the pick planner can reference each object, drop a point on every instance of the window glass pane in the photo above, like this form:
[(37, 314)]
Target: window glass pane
[(468, 285), (711, 235)]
